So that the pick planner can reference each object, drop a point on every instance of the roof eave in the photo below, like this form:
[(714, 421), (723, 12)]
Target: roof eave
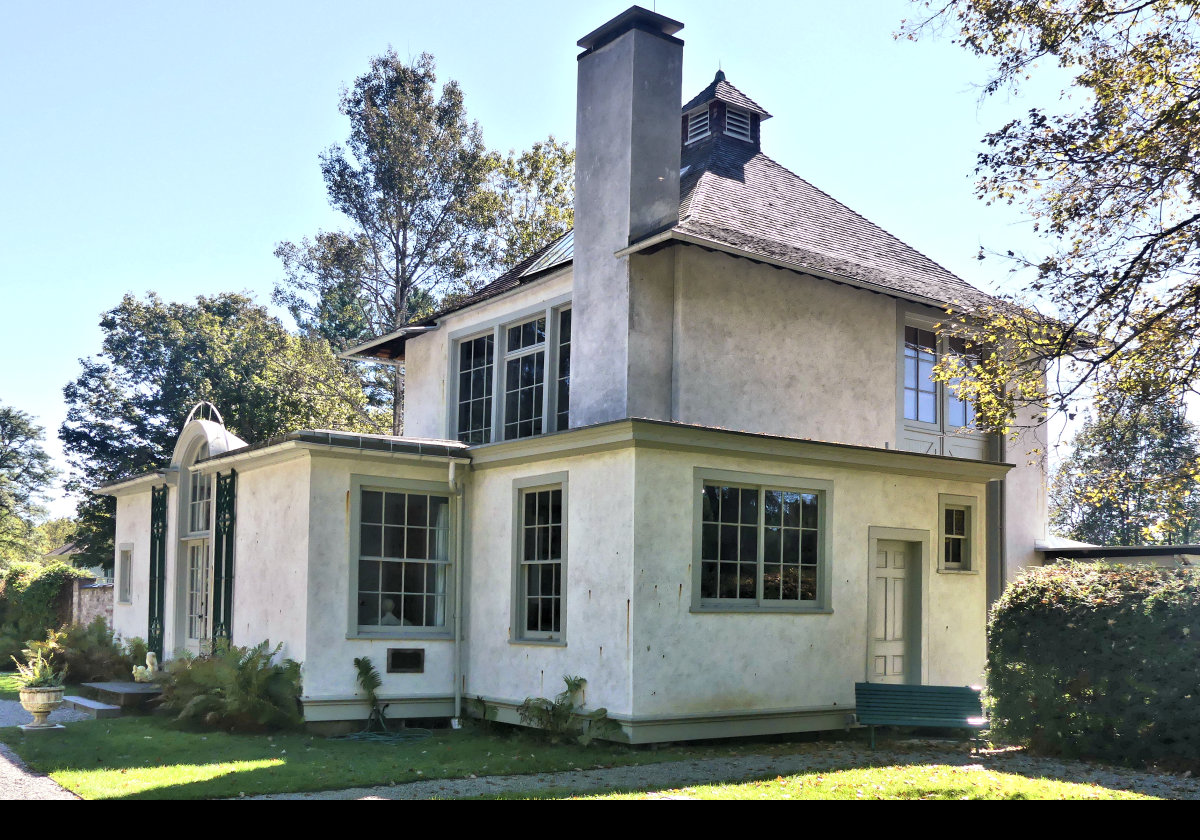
[(666, 236)]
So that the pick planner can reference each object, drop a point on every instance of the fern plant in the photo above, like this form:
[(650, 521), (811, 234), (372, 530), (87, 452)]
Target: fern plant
[(235, 688), (564, 717), (369, 679)]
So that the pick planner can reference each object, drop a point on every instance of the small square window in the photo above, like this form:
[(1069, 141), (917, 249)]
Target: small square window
[(956, 514)]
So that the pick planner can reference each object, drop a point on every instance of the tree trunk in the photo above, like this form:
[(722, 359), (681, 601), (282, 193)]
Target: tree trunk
[(397, 401)]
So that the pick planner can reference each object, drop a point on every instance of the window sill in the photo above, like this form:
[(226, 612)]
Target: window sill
[(539, 642), (410, 636), (757, 610), (958, 571)]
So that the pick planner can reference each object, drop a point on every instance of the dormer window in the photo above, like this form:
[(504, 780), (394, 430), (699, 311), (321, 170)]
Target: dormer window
[(697, 126), (737, 124)]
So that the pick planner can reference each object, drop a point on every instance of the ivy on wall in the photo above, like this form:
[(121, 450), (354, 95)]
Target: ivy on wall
[(34, 598)]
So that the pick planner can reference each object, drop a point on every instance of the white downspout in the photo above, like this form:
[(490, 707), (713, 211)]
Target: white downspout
[(457, 490)]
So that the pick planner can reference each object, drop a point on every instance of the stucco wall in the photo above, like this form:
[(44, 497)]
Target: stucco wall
[(764, 350), (1026, 513), (598, 584), (270, 575), (329, 655), (427, 356), (695, 663), (133, 526)]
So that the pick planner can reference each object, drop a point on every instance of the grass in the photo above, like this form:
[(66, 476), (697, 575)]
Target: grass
[(8, 686), (933, 781), (147, 758)]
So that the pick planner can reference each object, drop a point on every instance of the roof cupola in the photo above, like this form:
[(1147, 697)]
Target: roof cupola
[(722, 109)]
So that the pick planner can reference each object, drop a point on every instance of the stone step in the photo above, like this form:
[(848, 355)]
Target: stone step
[(125, 694), (94, 708)]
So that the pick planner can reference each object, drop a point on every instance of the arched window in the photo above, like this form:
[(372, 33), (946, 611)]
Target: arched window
[(199, 496)]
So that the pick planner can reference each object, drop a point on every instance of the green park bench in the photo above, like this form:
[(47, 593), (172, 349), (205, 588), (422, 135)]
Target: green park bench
[(936, 706)]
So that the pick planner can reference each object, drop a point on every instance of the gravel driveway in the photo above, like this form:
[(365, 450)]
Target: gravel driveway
[(16, 780)]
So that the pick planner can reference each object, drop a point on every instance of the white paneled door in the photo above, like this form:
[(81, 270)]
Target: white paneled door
[(895, 583)]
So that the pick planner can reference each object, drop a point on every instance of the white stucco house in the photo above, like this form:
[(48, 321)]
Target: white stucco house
[(691, 452)]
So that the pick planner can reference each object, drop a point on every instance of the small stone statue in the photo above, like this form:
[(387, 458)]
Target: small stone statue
[(145, 673)]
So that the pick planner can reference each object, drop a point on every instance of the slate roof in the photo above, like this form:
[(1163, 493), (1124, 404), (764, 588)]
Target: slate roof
[(722, 90), (736, 195), (732, 194)]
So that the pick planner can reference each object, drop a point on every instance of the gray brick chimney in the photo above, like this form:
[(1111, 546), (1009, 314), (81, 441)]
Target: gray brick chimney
[(626, 188)]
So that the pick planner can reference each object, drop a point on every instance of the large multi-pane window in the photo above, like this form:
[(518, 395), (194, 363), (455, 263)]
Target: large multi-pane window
[(541, 563), (528, 364), (403, 559), (761, 546)]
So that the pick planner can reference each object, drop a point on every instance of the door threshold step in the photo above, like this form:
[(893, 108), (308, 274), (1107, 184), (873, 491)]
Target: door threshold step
[(94, 708)]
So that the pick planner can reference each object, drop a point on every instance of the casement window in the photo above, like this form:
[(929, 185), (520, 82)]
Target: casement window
[(125, 574), (697, 126), (956, 520), (932, 418), (761, 546), (737, 123), (927, 401), (527, 363), (402, 558), (540, 563)]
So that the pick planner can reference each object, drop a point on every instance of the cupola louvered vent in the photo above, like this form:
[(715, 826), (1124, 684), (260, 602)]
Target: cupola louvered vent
[(697, 126), (737, 124)]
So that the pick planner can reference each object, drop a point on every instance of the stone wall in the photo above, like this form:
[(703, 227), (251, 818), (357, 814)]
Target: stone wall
[(90, 600)]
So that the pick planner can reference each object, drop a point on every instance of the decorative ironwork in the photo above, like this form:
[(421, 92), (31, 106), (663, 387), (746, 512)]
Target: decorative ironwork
[(158, 568), (226, 517)]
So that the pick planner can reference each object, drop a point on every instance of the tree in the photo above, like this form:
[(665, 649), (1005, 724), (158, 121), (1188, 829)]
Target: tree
[(1112, 185), (1132, 478), (536, 194), (159, 359), (431, 212), (25, 475)]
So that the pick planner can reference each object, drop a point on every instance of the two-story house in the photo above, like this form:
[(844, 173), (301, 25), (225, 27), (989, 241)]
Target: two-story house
[(691, 451)]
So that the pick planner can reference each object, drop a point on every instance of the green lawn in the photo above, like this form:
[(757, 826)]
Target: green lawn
[(146, 758), (8, 686), (933, 781)]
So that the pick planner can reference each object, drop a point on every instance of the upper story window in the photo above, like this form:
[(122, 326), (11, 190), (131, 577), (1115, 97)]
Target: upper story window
[(199, 497), (932, 418), (737, 123), (927, 401), (697, 127), (532, 375)]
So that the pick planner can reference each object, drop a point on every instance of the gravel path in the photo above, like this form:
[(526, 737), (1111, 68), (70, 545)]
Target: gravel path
[(814, 757), (16, 780)]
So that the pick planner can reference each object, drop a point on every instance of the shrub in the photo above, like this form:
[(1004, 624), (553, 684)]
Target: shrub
[(1099, 661), (95, 652), (235, 688), (33, 599)]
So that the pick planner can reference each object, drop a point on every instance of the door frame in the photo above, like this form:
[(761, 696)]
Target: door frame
[(921, 539)]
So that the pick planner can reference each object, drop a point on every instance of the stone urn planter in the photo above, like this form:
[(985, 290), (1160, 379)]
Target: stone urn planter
[(40, 702)]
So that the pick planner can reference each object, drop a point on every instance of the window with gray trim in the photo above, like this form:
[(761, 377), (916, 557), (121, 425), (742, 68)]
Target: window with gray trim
[(403, 559), (956, 518), (475, 375), (125, 575), (760, 545), (526, 363), (926, 400), (541, 563)]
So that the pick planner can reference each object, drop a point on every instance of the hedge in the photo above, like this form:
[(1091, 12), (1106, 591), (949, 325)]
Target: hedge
[(33, 599), (1099, 661)]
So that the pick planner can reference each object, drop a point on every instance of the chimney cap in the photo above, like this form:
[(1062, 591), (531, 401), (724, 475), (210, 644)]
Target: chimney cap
[(635, 17)]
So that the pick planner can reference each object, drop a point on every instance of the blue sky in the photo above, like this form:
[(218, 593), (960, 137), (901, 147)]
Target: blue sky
[(169, 147)]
